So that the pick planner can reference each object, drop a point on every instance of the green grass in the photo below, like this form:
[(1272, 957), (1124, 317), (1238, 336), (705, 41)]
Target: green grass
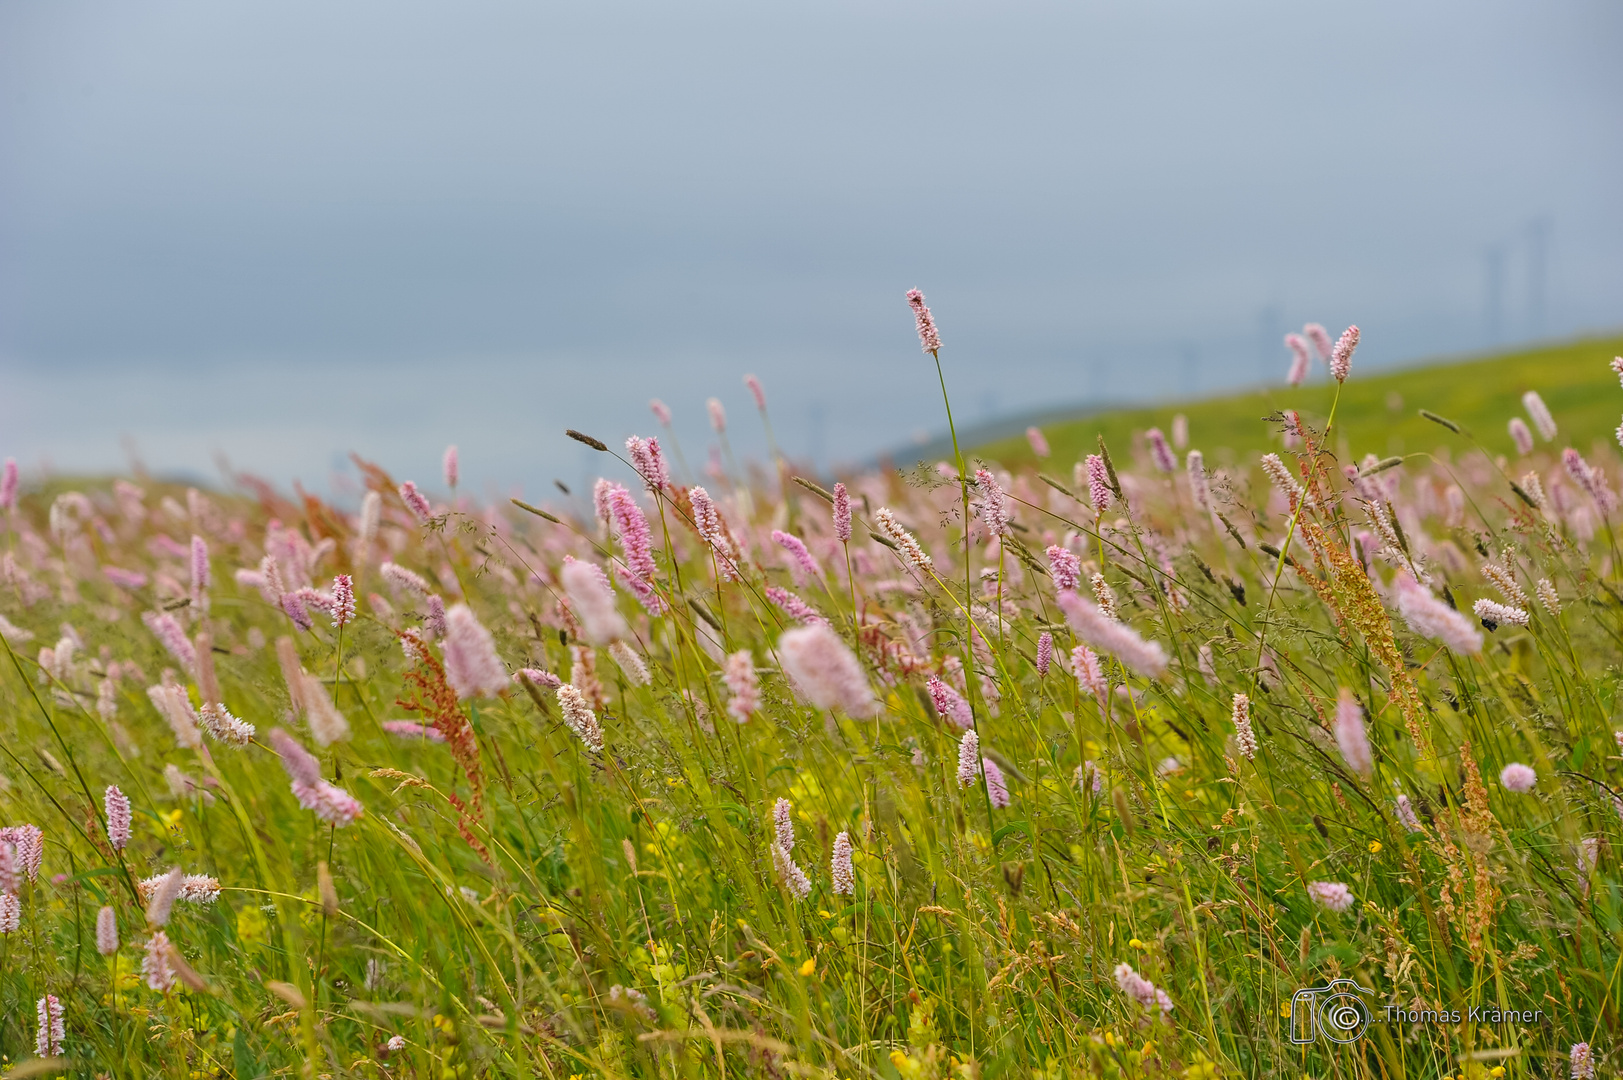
[(1378, 414)]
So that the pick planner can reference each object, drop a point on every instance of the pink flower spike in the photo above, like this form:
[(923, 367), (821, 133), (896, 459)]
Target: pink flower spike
[(1300, 361), (1098, 483), (107, 931), (1518, 778), (929, 337), (8, 485), (718, 416), (1092, 625), (794, 607), (1045, 652), (1320, 337), (996, 787), (739, 674), (842, 513), (1160, 451), (168, 631), (591, 598), (805, 566), (343, 600), (949, 703), (649, 461), (301, 765), (1617, 367), (117, 805), (1332, 894), (415, 502), (756, 391), (969, 758), (471, 665), (1064, 567), (1539, 413), (1522, 437), (825, 671), (200, 576), (1351, 737), (449, 463), (1039, 443), (48, 1041), (538, 677), (661, 411), (994, 505), (411, 729), (1341, 355)]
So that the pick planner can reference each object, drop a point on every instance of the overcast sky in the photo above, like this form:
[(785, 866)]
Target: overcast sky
[(284, 231)]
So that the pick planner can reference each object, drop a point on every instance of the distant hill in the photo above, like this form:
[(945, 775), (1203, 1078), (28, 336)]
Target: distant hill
[(1378, 412)]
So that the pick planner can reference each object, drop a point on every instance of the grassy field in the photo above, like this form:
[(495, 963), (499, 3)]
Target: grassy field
[(1378, 414), (1248, 772)]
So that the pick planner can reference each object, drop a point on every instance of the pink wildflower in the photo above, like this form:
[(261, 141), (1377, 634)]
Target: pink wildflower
[(636, 541), (1199, 487), (1092, 625), (107, 931), (1064, 567), (1591, 479), (905, 542), (1039, 444), (1518, 778), (11, 911), (156, 966), (580, 717), (1332, 894), (997, 789), (1098, 483), (29, 845), (1320, 338), (804, 565), (739, 674), (783, 824), (661, 411), (330, 803), (1045, 652), (949, 703), (471, 665), (163, 896), (756, 391), (1244, 738), (1583, 1062), (1299, 359), (411, 729), (1160, 452), (1142, 990), (8, 485), (631, 665), (343, 600), (592, 601), (1522, 437), (842, 513), (48, 1041), (793, 877), (842, 877), (794, 607), (929, 337), (1279, 475), (172, 703), (1406, 814), (1341, 355), (969, 758), (1431, 618), (404, 580), (1089, 673), (1351, 737), (415, 502), (718, 415), (10, 872), (117, 806), (200, 575), (1494, 614), (126, 579), (825, 671), (538, 677), (450, 464), (219, 723), (649, 461), (168, 631), (1539, 413), (994, 505)]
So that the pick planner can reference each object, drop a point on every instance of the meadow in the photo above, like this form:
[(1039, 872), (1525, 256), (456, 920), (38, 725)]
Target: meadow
[(1078, 757)]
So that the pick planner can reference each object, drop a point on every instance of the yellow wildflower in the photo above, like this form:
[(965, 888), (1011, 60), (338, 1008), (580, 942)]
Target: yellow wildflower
[(809, 966), (1374, 847)]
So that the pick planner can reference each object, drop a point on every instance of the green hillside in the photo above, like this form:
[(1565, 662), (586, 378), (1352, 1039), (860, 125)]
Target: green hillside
[(1378, 413)]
